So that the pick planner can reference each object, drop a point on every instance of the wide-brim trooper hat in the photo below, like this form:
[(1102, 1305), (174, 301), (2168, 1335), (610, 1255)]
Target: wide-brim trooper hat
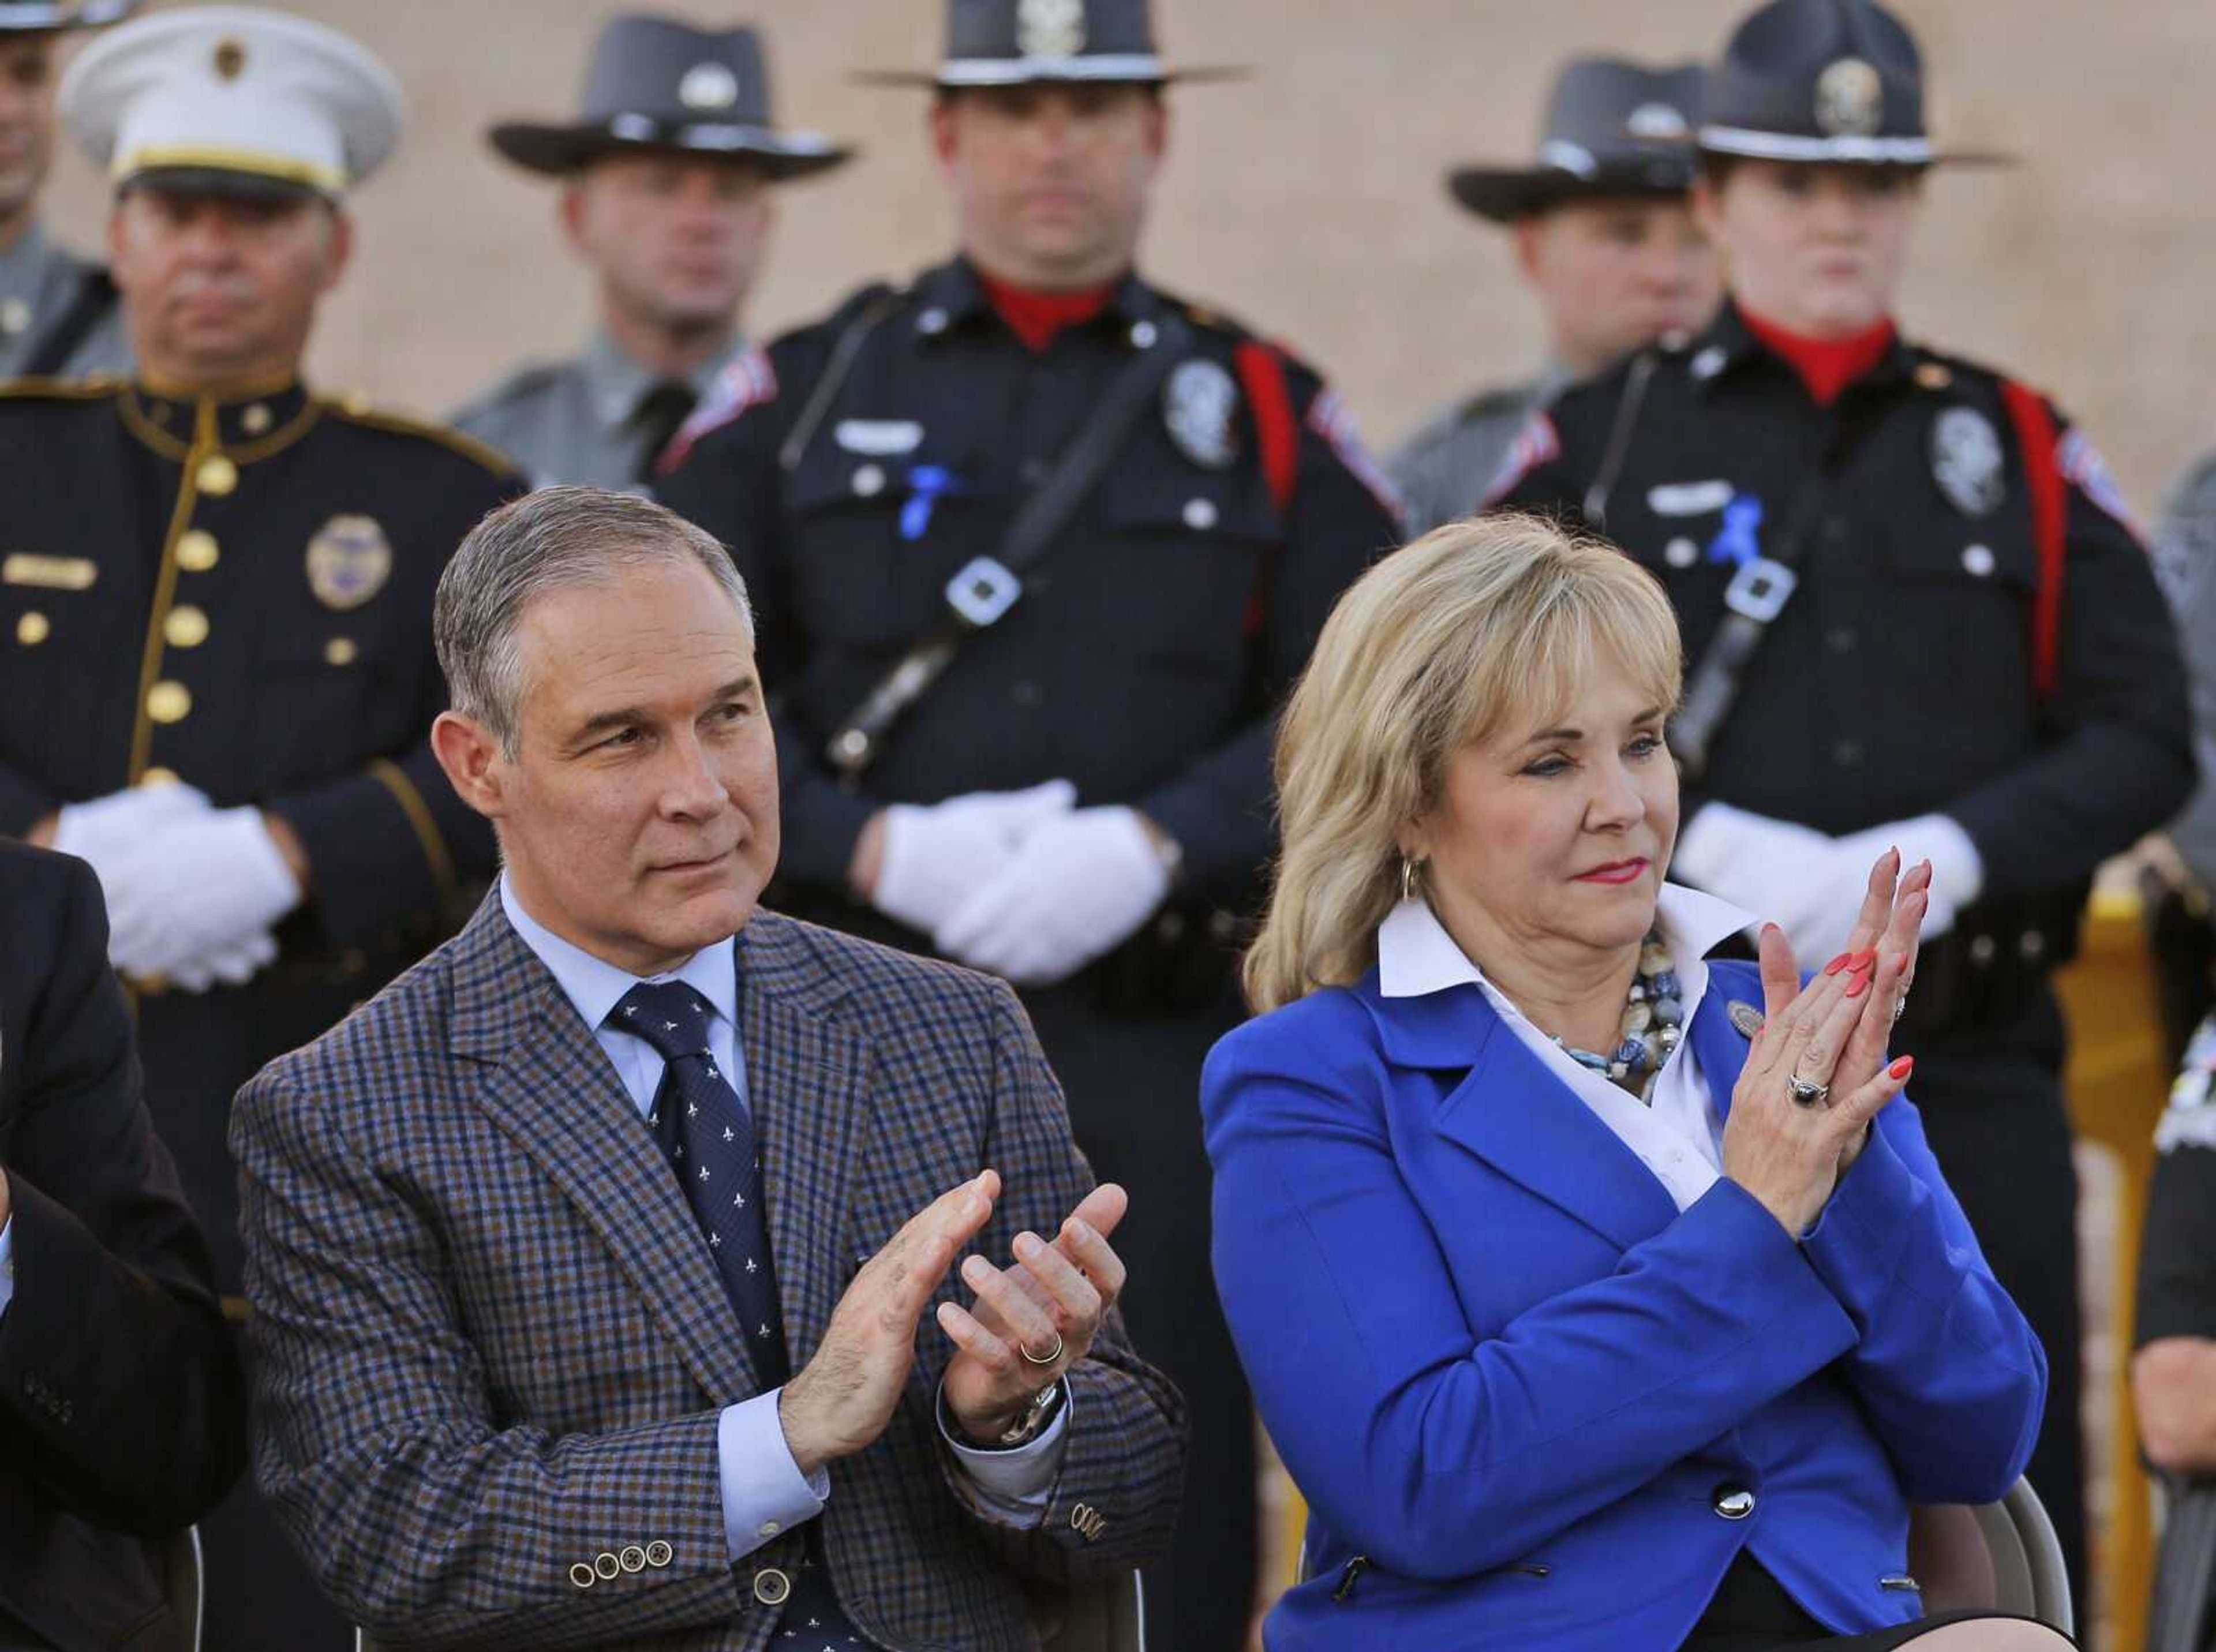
[(1611, 128), (51, 16), (1824, 81), (233, 99), (1027, 42), (654, 84)]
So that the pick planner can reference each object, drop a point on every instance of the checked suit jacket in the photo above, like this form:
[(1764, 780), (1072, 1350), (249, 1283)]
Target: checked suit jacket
[(491, 1344)]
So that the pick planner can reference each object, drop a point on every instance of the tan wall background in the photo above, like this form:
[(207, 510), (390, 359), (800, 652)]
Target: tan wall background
[(1308, 200)]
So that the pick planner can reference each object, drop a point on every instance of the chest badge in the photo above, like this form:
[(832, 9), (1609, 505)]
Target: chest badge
[(1967, 461), (348, 561), (1746, 1017), (1200, 407)]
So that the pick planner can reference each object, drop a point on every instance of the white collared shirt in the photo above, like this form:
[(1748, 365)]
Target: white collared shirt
[(763, 1488), (1678, 1135)]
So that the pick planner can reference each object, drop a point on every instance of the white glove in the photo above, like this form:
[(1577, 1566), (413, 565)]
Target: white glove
[(234, 965), (1958, 872), (1783, 874), (1076, 888), (937, 856), (200, 891), (110, 830)]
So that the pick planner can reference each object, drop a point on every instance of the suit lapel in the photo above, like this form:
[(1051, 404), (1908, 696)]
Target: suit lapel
[(1522, 1119), (805, 1077), (553, 1090)]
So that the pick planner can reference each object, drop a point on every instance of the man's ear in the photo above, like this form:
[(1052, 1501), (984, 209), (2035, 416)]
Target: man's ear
[(470, 754)]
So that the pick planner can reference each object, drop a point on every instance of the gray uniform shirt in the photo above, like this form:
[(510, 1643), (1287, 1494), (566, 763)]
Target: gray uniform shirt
[(577, 420), (1443, 469), (38, 285), (2185, 561)]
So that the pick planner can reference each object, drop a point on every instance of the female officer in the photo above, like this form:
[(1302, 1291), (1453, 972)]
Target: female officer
[(1914, 614)]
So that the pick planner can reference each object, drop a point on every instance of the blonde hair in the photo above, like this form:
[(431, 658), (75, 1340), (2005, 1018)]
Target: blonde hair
[(1436, 647)]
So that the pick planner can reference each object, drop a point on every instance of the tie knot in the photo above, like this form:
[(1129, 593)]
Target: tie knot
[(670, 1015)]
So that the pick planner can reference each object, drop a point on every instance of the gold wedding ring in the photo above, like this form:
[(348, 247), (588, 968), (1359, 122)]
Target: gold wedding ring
[(1049, 1359)]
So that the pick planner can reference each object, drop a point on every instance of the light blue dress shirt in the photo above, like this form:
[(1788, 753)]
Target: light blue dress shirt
[(764, 1491)]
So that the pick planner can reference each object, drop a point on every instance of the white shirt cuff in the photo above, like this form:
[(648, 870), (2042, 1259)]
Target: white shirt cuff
[(7, 1264), (1011, 1487), (765, 1494)]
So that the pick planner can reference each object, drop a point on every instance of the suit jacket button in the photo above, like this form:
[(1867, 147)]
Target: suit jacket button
[(772, 1586), (658, 1554), (608, 1567), (1733, 1502), (582, 1576), (632, 1559)]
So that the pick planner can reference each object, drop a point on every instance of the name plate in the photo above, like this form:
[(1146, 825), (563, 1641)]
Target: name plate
[(48, 573)]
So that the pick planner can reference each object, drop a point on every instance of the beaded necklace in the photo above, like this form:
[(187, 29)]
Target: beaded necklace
[(1653, 1022)]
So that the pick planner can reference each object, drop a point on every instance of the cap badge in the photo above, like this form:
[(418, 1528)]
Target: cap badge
[(1051, 28), (1849, 99), (1566, 156), (708, 86), (1657, 122), (1967, 461), (229, 60), (1200, 402), (348, 561)]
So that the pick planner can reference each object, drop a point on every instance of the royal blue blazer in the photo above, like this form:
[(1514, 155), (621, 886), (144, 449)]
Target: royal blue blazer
[(1511, 1377)]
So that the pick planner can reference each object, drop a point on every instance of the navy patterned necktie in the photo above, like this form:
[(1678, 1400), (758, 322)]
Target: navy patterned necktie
[(708, 1136)]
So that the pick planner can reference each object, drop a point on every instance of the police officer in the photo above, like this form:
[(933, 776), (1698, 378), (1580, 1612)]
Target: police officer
[(217, 674), (1034, 546), (1606, 243), (1916, 615), (668, 176), (57, 311)]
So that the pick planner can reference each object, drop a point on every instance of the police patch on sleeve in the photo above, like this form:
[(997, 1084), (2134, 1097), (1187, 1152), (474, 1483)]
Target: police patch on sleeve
[(1332, 420), (2190, 1120), (1536, 444), (1200, 409), (748, 382), (2083, 468), (1967, 461)]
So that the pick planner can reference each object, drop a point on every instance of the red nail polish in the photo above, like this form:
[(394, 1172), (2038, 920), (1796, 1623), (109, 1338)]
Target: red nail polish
[(1864, 959), (1858, 983), (1903, 1067), (1838, 963)]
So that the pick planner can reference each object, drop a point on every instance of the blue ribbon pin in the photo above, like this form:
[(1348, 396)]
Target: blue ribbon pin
[(926, 485), (1736, 542)]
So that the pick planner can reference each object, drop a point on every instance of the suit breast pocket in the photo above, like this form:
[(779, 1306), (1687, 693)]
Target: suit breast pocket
[(1185, 560), (858, 575)]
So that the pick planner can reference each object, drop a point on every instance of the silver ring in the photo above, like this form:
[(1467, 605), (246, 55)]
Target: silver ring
[(1900, 1006), (1035, 1359), (1806, 1092)]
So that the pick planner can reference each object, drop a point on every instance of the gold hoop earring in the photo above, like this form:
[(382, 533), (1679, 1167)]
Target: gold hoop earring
[(1410, 878)]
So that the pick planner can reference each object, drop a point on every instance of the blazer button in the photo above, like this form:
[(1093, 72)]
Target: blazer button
[(659, 1554), (1733, 1502), (772, 1586), (632, 1559), (583, 1576)]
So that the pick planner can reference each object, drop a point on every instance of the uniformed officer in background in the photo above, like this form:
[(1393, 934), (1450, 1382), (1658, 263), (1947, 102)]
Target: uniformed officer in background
[(216, 675), (1606, 243), (57, 311), (668, 174), (1034, 548), (1916, 615)]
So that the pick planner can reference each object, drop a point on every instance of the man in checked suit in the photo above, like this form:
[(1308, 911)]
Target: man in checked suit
[(589, 1260)]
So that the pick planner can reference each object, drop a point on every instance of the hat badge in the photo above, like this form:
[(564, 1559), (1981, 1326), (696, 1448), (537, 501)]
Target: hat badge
[(1657, 122), (708, 86), (1051, 28), (1850, 99), (229, 60)]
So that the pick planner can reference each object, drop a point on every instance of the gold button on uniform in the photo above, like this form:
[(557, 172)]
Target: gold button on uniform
[(342, 651), (185, 628), (33, 629), (158, 776), (169, 703), (772, 1586), (197, 552), (255, 419), (217, 475)]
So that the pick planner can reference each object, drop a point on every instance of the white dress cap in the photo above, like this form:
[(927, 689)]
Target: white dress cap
[(234, 89)]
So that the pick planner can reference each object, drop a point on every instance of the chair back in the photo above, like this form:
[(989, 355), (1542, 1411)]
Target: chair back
[(2027, 1570)]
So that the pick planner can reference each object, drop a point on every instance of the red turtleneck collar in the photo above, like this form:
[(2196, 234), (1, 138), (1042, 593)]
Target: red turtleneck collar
[(1826, 366), (1036, 317)]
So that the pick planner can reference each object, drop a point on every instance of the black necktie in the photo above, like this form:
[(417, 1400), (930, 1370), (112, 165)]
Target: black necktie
[(708, 1136), (656, 418)]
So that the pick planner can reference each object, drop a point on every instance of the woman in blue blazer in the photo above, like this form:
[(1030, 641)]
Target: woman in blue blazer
[(1600, 1298)]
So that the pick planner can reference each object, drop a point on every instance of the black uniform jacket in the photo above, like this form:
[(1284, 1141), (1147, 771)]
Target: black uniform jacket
[(1153, 641), (1899, 679), (122, 1410)]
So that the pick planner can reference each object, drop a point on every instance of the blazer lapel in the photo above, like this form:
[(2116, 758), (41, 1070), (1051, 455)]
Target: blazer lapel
[(805, 1077), (1522, 1120), (554, 1092), (1720, 1046)]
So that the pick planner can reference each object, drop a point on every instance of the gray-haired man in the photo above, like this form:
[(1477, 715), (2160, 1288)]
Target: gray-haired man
[(750, 1151)]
